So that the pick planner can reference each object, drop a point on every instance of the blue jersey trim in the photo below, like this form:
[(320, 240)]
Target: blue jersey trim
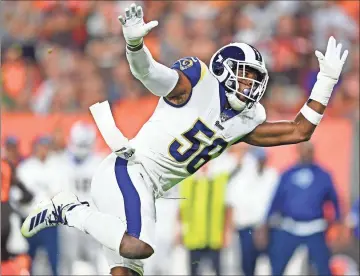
[(228, 112), (191, 67), (222, 96), (131, 197)]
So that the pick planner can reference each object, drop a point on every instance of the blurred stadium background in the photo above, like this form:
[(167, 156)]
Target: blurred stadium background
[(59, 57)]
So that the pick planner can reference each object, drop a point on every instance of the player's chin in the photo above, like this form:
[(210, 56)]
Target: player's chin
[(241, 97)]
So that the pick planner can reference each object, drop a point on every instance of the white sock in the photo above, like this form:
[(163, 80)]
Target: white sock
[(106, 229)]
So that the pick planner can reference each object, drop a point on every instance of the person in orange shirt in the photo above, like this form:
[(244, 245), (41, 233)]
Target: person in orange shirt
[(5, 180), (8, 180)]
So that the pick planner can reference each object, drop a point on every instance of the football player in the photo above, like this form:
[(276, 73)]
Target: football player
[(75, 168), (202, 110)]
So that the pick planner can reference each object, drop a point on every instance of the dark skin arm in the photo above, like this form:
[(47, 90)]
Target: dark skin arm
[(181, 91), (278, 133)]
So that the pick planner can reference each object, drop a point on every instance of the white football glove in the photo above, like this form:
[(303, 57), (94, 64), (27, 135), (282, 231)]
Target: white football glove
[(134, 27), (332, 64), (330, 68)]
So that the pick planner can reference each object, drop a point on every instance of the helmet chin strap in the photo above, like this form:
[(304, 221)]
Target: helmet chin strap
[(233, 100), (235, 103)]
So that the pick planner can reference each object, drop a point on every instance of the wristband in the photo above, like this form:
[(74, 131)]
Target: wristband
[(134, 48), (311, 115)]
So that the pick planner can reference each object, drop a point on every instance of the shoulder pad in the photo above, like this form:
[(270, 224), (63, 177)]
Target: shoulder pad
[(193, 68)]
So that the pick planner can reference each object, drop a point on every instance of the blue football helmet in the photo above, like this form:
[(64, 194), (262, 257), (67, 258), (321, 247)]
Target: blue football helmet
[(230, 64)]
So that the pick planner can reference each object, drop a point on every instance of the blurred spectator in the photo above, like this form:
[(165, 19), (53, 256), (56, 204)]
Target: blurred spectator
[(34, 172), (65, 96), (63, 22), (58, 140), (250, 188), (346, 100), (205, 52), (201, 28), (102, 21), (199, 11), (346, 261), (74, 169), (13, 262), (122, 85), (55, 63), (12, 151), (205, 218), (173, 44), (284, 55), (352, 223), (246, 28), (21, 24), (331, 19), (353, 219), (225, 27), (20, 79), (11, 182), (93, 90), (269, 13), (105, 52), (297, 213)]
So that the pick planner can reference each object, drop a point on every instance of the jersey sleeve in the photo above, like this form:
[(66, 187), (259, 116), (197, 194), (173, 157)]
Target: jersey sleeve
[(193, 68), (260, 113)]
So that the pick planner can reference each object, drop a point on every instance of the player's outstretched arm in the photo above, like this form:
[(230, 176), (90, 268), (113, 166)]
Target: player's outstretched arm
[(159, 79), (302, 127)]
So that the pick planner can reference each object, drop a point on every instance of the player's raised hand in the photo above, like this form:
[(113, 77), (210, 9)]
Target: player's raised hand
[(332, 63), (134, 27)]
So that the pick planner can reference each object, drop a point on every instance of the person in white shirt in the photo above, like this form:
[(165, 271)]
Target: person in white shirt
[(250, 191), (36, 176), (75, 168)]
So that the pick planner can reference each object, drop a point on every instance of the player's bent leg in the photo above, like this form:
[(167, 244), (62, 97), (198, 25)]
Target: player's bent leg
[(133, 248), (121, 190), (66, 209), (110, 231), (127, 206), (117, 271)]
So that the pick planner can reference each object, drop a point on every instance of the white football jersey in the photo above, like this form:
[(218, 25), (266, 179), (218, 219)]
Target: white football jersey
[(178, 139), (76, 176)]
